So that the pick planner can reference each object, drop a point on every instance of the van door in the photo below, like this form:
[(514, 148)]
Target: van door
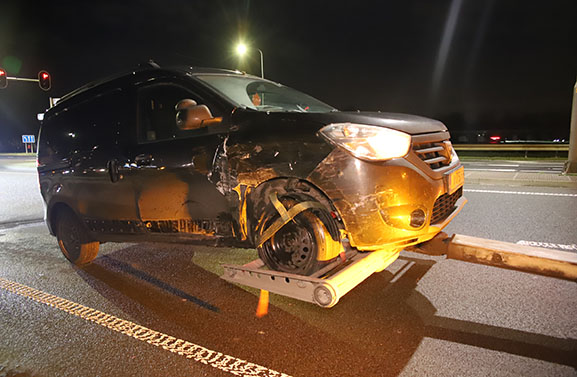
[(174, 170), (94, 130)]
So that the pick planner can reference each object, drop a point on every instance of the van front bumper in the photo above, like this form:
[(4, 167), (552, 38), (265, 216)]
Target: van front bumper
[(386, 204)]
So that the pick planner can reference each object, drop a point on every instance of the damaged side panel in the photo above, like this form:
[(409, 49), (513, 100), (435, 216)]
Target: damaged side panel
[(203, 187)]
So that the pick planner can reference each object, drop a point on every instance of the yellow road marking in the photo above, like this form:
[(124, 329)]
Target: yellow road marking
[(220, 361)]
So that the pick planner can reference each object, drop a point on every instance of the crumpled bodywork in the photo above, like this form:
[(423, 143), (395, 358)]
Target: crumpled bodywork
[(366, 193)]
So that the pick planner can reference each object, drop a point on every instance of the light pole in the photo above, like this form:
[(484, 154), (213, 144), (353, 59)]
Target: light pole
[(241, 49), (571, 163)]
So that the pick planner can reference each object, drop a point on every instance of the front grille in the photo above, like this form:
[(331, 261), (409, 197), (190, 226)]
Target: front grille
[(436, 154), (445, 205)]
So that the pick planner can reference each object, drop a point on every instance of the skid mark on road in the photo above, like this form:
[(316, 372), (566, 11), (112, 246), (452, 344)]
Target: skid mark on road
[(220, 361), (522, 193)]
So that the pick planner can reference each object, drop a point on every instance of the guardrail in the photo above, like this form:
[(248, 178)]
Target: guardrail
[(513, 147)]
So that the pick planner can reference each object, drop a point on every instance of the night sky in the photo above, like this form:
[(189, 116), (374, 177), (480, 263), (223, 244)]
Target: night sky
[(508, 66)]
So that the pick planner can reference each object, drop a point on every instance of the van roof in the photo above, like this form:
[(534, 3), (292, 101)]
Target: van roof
[(147, 67)]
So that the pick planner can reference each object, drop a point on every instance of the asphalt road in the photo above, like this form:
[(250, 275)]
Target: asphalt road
[(544, 215), (20, 199), (423, 316)]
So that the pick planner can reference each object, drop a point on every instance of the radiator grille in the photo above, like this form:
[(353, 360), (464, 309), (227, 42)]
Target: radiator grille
[(436, 154), (445, 205)]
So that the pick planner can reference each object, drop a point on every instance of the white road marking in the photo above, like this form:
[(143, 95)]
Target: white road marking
[(548, 245), (402, 271), (507, 170), (19, 172), (222, 362), (504, 165), (522, 193), (542, 171)]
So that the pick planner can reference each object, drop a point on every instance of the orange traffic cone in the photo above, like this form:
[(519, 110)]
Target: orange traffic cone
[(262, 308)]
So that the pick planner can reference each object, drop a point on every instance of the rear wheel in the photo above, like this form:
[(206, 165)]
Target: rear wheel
[(298, 245), (73, 239)]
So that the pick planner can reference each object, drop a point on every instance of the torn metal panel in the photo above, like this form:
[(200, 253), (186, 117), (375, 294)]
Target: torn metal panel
[(242, 192), (220, 175)]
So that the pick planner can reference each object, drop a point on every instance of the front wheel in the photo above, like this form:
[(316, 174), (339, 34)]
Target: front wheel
[(74, 240), (302, 246)]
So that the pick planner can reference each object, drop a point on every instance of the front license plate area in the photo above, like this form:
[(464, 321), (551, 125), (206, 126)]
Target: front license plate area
[(455, 180)]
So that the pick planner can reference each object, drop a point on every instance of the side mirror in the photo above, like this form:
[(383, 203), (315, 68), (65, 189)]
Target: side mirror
[(194, 117)]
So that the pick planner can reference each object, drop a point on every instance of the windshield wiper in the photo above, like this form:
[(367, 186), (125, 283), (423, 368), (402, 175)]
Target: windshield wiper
[(269, 107)]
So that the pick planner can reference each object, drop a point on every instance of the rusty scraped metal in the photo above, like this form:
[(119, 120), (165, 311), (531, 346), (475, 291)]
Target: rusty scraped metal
[(548, 262)]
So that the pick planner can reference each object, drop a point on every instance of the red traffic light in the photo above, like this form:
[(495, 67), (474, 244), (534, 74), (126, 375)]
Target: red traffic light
[(3, 79), (44, 80)]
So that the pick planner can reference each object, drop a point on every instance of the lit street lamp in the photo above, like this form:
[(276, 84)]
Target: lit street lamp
[(241, 49)]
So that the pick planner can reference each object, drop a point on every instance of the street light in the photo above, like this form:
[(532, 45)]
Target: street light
[(241, 49)]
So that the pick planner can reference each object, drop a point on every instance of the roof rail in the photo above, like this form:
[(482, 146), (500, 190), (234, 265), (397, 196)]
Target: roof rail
[(149, 64)]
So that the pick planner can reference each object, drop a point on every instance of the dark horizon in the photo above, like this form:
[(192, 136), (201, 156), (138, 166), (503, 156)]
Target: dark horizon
[(491, 65)]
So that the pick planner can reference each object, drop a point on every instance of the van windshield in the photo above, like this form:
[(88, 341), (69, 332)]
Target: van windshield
[(263, 95)]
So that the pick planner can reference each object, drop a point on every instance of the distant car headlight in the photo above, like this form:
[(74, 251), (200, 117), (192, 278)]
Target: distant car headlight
[(370, 143)]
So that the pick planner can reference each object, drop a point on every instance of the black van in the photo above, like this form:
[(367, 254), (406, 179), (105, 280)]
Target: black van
[(224, 158)]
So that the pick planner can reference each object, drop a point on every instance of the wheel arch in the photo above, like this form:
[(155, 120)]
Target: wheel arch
[(52, 215), (258, 200)]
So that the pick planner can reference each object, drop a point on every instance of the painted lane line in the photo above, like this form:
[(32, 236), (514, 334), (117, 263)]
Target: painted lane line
[(18, 172), (522, 193), (220, 361), (549, 245), (542, 171), (502, 170)]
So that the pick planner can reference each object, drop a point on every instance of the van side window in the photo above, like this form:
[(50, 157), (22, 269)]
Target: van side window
[(87, 125), (157, 113)]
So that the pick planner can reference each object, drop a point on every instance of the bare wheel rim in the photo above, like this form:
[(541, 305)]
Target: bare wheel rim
[(292, 248)]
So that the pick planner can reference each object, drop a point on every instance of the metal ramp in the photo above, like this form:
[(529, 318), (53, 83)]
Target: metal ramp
[(328, 285), (325, 288)]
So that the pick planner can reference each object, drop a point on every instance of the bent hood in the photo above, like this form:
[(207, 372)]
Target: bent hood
[(411, 124)]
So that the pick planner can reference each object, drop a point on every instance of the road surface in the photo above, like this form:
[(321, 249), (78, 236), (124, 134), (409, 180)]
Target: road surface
[(423, 316)]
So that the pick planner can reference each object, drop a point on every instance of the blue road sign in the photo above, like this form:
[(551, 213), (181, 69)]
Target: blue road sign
[(28, 139)]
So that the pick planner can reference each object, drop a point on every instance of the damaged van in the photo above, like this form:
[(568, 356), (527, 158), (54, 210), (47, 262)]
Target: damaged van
[(207, 156)]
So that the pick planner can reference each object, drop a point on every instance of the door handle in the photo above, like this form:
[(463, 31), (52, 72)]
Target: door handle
[(143, 159)]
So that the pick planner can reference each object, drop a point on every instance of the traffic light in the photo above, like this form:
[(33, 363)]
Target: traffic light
[(3, 79), (44, 80)]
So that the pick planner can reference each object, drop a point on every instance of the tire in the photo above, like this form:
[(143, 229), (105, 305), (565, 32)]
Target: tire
[(296, 246), (73, 239)]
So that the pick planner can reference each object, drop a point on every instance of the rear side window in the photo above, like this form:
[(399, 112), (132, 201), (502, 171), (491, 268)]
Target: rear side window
[(91, 124), (157, 112)]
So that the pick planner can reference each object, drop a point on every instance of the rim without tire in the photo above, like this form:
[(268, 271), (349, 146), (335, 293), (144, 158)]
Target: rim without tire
[(296, 246)]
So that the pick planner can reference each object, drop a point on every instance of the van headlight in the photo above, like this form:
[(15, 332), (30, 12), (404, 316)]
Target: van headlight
[(454, 157), (368, 142)]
